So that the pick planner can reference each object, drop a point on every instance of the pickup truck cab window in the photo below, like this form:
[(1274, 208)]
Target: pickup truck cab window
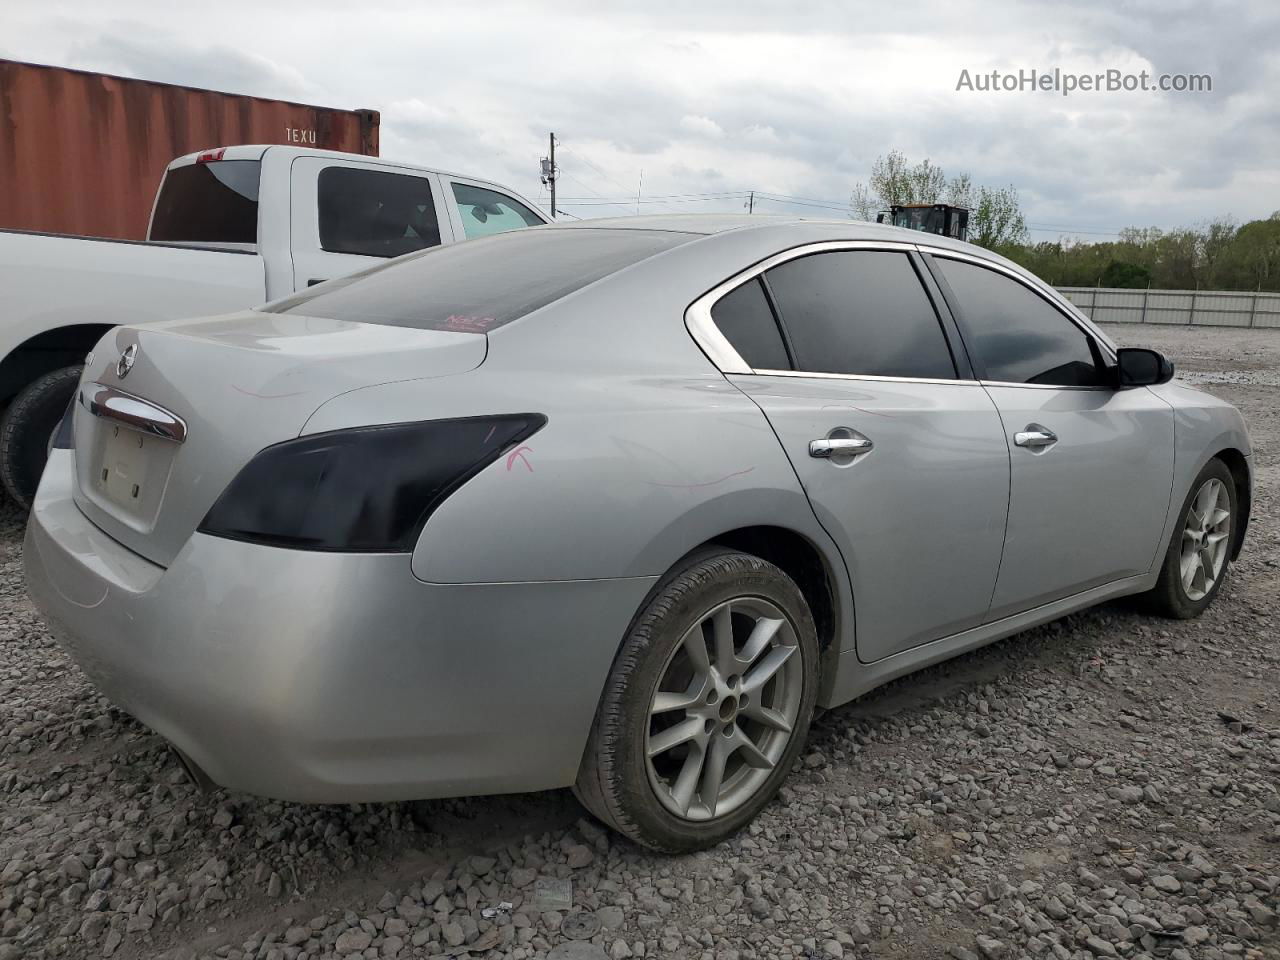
[(485, 212), (209, 203), (371, 213)]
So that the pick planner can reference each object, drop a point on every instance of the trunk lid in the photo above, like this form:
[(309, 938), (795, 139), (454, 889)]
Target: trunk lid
[(156, 446)]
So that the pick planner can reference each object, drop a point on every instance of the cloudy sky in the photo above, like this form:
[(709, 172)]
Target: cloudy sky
[(682, 100)]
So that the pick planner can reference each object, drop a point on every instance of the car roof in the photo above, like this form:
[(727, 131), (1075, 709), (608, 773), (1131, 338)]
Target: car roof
[(755, 236), (801, 229)]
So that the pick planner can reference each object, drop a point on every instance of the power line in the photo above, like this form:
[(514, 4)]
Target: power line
[(809, 199), (1045, 228), (728, 194), (591, 202), (699, 197), (599, 200), (583, 157), (803, 203), (779, 198), (1082, 226), (587, 160)]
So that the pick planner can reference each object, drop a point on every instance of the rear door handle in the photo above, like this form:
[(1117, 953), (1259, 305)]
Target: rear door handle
[(1035, 437), (830, 447)]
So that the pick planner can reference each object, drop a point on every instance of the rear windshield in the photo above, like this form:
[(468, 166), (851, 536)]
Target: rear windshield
[(208, 203), (476, 286)]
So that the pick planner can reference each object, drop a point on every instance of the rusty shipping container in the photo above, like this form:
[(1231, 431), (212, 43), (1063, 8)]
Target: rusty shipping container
[(83, 153)]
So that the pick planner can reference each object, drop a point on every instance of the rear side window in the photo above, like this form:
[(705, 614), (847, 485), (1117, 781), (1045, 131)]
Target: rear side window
[(1016, 335), (486, 212), (476, 286), (747, 322), (208, 203), (372, 213), (860, 312)]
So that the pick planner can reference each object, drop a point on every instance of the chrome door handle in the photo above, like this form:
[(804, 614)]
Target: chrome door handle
[(1035, 437), (839, 447)]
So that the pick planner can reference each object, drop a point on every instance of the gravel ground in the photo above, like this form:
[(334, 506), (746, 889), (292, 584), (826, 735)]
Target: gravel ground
[(1106, 785)]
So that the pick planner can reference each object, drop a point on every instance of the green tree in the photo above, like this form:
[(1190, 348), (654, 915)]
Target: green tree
[(894, 180), (1175, 259), (996, 221), (1252, 259), (995, 215), (1121, 274), (1217, 254), (1214, 243)]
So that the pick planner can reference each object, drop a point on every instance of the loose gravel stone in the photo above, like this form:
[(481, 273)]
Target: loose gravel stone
[(1107, 785)]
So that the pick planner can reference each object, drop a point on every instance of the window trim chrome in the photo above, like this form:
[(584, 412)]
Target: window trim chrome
[(807, 375), (1040, 289), (1046, 386), (719, 351), (705, 333)]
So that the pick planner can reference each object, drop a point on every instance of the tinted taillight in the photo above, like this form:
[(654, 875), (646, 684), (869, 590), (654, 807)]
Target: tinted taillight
[(369, 489)]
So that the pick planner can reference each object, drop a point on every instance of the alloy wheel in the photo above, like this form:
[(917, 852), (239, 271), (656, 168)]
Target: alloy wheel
[(724, 709), (1205, 533)]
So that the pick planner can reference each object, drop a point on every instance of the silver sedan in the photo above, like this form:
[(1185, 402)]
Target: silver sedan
[(613, 505)]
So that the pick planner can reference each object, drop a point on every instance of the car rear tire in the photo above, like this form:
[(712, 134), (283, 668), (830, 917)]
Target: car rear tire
[(707, 705), (26, 428), (1199, 552)]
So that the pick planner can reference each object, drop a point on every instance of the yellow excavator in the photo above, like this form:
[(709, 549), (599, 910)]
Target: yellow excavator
[(940, 218)]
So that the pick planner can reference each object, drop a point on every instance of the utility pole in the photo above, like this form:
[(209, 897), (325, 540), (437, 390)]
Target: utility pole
[(550, 173), (751, 202)]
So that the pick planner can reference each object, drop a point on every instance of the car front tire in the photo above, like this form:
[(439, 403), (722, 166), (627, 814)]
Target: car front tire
[(707, 705), (1199, 552)]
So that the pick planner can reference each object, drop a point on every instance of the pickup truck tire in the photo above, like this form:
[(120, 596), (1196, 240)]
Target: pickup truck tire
[(26, 428)]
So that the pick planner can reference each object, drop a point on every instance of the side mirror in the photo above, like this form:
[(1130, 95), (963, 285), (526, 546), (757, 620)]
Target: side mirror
[(1140, 367)]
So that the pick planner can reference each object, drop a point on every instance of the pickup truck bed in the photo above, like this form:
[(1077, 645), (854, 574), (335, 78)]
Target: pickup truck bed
[(57, 280)]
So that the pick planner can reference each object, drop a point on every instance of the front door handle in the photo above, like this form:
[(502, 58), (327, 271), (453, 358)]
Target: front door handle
[(830, 447), (1035, 437)]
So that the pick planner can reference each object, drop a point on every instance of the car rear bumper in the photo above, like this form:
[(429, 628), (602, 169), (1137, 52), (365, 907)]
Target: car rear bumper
[(325, 677)]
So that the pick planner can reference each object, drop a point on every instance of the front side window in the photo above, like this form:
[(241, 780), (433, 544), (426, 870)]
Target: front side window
[(208, 203), (479, 285), (486, 212), (372, 213), (860, 312), (1015, 334)]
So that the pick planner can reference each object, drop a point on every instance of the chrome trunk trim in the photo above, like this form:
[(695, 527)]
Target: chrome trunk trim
[(110, 403)]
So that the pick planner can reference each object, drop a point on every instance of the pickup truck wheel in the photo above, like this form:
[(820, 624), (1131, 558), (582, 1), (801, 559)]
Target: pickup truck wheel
[(26, 428)]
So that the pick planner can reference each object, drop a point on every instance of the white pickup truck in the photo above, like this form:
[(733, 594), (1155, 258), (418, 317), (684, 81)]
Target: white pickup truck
[(230, 228)]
